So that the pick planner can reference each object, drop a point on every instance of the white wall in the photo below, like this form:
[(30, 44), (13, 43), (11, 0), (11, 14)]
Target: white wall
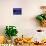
[(25, 23)]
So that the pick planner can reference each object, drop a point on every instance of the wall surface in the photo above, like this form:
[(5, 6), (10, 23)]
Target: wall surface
[(25, 23)]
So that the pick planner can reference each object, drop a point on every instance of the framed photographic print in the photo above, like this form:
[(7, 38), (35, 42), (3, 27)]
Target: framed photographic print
[(17, 11)]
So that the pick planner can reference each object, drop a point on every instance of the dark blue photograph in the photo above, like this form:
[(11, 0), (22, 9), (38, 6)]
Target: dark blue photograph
[(17, 11)]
